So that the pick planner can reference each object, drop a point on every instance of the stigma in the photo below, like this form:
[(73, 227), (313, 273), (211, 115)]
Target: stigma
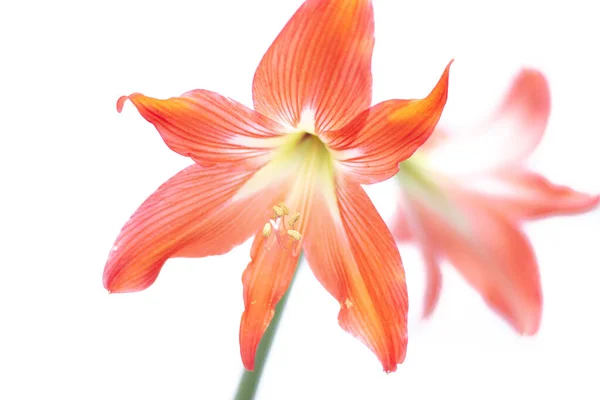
[(280, 229)]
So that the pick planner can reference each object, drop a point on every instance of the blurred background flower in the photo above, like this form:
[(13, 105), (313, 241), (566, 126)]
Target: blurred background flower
[(68, 188), (465, 197)]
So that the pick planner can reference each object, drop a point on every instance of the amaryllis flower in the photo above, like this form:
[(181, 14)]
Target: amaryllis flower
[(289, 174), (465, 196)]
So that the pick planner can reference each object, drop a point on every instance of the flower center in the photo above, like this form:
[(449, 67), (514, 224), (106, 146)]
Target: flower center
[(421, 184), (413, 175), (307, 122), (418, 182)]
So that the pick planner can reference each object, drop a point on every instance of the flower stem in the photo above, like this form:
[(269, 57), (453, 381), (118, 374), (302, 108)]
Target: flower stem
[(250, 379)]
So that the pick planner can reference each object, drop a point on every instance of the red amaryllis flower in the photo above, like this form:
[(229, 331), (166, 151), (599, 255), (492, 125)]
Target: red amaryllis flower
[(464, 198), (289, 173)]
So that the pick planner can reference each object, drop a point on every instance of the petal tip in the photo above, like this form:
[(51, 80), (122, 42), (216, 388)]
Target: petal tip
[(248, 359), (117, 279), (531, 89), (116, 282), (109, 284), (121, 102), (447, 69), (531, 328), (248, 365), (440, 91), (528, 318), (534, 80), (590, 202), (248, 343), (532, 74), (426, 314), (388, 369), (391, 362)]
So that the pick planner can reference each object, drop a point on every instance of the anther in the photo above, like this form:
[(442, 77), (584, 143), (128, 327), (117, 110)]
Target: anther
[(284, 208), (278, 211), (266, 229), (294, 219), (294, 234)]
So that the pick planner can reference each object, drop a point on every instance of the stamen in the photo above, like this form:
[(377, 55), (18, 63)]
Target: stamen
[(287, 239), (278, 212), (294, 234), (294, 219), (266, 229), (284, 208)]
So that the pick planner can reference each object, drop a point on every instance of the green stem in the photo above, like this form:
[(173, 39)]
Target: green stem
[(250, 379)]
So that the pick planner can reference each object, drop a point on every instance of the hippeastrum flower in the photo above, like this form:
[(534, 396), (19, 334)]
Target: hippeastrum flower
[(289, 173), (465, 197)]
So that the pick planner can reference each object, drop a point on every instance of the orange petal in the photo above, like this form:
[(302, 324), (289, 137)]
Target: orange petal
[(272, 267), (495, 257), (371, 146), (191, 215), (507, 137), (266, 280), (209, 128), (320, 64), (353, 255), (529, 195)]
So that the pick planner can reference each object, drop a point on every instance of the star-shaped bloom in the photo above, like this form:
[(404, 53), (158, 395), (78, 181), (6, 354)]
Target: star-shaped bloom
[(288, 173)]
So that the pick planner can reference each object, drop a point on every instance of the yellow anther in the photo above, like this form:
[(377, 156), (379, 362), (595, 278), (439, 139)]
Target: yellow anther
[(294, 234), (266, 229), (278, 211), (284, 208), (294, 219)]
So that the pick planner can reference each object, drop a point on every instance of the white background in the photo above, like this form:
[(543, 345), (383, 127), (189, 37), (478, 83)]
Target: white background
[(73, 170)]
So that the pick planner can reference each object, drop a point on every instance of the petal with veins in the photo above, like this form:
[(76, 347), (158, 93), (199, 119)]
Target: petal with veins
[(271, 269), (210, 128), (190, 215), (353, 255), (265, 280), (371, 146), (320, 64)]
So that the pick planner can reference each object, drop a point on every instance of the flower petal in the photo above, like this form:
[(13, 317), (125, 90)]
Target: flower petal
[(494, 256), (320, 64), (266, 280), (528, 195), (399, 227), (434, 280), (371, 146), (191, 215), (507, 137), (406, 226), (353, 255), (210, 128), (271, 269)]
